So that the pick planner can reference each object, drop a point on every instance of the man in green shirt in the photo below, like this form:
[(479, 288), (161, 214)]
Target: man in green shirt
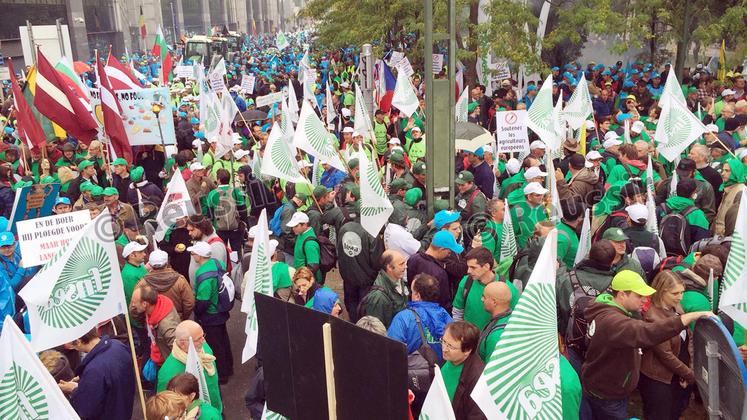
[(567, 237), (133, 270), (526, 214), (462, 368), (381, 124), (306, 252), (496, 300)]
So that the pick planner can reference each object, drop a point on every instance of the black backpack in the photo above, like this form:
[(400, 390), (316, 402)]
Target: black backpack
[(361, 310), (576, 335), (327, 253), (606, 224), (675, 231), (421, 363)]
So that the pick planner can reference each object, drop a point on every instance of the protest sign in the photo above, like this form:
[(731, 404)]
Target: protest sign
[(247, 83), (269, 99), (405, 66), (502, 71), (33, 201), (217, 83), (438, 63), (139, 120), (310, 76), (40, 239), (4, 73), (395, 58), (186, 72), (511, 131)]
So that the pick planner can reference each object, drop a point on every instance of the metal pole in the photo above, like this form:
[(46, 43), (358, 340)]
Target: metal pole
[(430, 175), (173, 23), (713, 408), (31, 41), (452, 83), (58, 22), (367, 82)]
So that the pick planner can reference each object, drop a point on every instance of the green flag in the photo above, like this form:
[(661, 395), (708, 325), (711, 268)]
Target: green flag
[(508, 236)]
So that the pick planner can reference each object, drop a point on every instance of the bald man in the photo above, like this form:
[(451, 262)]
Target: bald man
[(496, 299), (175, 364)]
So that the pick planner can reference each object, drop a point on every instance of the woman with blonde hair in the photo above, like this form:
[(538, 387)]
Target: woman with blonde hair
[(309, 293), (665, 369), (166, 404)]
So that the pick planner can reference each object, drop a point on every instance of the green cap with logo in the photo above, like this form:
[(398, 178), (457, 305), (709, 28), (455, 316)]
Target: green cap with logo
[(119, 161), (320, 191), (110, 191), (84, 164), (418, 168), (464, 177), (97, 191), (137, 174), (615, 234)]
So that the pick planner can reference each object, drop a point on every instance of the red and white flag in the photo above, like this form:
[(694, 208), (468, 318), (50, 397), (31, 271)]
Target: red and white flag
[(112, 113), (119, 75)]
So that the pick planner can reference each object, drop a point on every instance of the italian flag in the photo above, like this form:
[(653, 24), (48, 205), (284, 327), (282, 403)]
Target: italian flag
[(160, 49)]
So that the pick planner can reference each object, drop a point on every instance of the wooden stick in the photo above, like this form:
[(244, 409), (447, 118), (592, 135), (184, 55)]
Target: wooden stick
[(134, 363), (329, 371)]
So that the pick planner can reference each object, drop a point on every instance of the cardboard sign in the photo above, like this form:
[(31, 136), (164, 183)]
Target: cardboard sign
[(40, 239), (247, 83), (138, 118), (405, 66), (438, 63), (217, 83), (502, 71), (32, 202), (186, 72), (270, 99), (511, 131)]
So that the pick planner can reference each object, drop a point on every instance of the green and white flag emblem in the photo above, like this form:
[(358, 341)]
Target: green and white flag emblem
[(362, 123), (521, 379), (293, 103), (404, 97), (281, 41), (27, 390), (375, 205), (286, 124), (194, 366), (578, 108), (584, 241), (268, 414), (437, 405), (259, 279), (462, 105), (508, 235), (540, 114), (312, 137), (78, 288), (677, 129), (651, 225), (733, 299)]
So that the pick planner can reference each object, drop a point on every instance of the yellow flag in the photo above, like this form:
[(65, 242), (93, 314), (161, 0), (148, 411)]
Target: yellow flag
[(582, 139), (722, 62)]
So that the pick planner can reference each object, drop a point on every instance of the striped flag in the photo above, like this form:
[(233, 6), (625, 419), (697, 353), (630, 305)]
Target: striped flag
[(161, 49), (540, 114), (678, 127), (362, 117), (51, 130), (733, 300), (521, 379), (404, 97), (59, 103), (141, 23), (584, 241), (112, 112), (462, 105), (279, 160), (120, 76), (508, 235), (313, 138), (579, 106), (651, 225), (259, 281), (375, 205), (331, 113), (28, 126)]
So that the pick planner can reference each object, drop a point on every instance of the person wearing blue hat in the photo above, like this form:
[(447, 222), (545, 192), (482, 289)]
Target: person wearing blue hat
[(11, 276), (483, 173), (431, 261), (62, 205)]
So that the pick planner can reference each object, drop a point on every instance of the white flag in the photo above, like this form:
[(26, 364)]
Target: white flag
[(362, 117), (712, 290), (313, 138), (279, 160), (293, 103), (219, 70), (584, 241), (437, 405), (78, 288), (259, 279), (556, 213), (176, 204), (27, 389), (733, 300), (462, 106), (210, 108), (375, 205), (521, 379), (509, 248), (626, 132), (286, 124), (677, 129), (559, 128), (331, 113), (540, 114), (404, 97), (194, 366), (268, 414), (281, 41), (579, 108), (672, 91), (651, 224)]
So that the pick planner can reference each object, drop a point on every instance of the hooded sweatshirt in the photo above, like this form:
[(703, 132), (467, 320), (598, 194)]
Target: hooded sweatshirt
[(728, 209), (613, 359), (623, 172), (162, 324), (173, 285), (696, 219)]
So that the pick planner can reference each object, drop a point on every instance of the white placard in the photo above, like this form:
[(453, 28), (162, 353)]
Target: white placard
[(438, 63), (396, 57), (502, 71), (269, 99), (217, 83), (405, 66), (310, 76), (187, 72), (511, 131), (4, 73), (247, 83), (40, 239)]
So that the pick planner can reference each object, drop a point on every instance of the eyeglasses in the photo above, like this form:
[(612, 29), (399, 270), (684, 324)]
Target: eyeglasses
[(450, 346)]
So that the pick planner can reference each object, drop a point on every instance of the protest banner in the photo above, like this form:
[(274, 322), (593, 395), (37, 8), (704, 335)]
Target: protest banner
[(217, 83), (33, 201), (269, 99), (395, 58), (247, 83), (405, 67), (139, 120), (40, 239), (186, 72), (511, 132), (438, 63)]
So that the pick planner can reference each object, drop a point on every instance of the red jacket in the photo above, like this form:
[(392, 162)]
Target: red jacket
[(161, 325)]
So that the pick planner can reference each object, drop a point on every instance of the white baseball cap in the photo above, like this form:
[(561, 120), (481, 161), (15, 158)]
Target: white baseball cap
[(348, 130), (534, 172), (394, 140), (239, 154), (213, 140), (726, 92), (711, 128), (201, 248), (158, 258), (487, 149), (357, 134), (416, 128), (637, 212), (345, 112), (237, 141), (535, 188), (637, 127), (611, 135), (591, 124), (298, 218), (611, 143), (273, 246), (537, 144), (304, 163), (196, 143), (196, 166), (513, 166), (132, 247), (253, 232), (345, 85), (593, 155), (742, 153)]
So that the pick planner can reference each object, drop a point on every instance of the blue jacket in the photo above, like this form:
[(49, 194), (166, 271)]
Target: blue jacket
[(7, 196), (11, 275), (106, 389), (602, 108), (433, 318), (484, 178), (331, 178)]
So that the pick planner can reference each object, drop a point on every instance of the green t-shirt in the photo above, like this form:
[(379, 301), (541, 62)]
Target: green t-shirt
[(213, 197), (130, 276), (491, 238), (280, 275), (474, 311), (172, 367), (486, 346), (308, 253), (451, 374), (567, 244)]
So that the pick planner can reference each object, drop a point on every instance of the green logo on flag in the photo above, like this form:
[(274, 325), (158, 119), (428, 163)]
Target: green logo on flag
[(375, 183), (318, 137), (21, 396), (678, 127), (81, 288)]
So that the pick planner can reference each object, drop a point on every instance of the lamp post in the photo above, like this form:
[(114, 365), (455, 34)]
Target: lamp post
[(157, 107)]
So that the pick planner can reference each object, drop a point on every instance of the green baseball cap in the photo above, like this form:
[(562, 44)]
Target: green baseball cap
[(136, 174), (119, 161), (84, 164), (398, 184), (109, 191), (471, 107), (302, 196), (397, 157), (97, 191), (356, 191), (440, 204), (615, 234), (86, 186), (320, 191), (418, 168), (353, 163), (48, 179), (630, 281), (413, 195), (464, 177)]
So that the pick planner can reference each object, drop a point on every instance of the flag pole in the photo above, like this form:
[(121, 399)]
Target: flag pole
[(329, 371), (141, 395)]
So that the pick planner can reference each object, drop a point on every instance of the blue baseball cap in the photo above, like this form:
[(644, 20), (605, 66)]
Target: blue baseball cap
[(62, 200), (7, 239), (194, 121), (444, 217), (531, 88), (444, 239), (480, 152)]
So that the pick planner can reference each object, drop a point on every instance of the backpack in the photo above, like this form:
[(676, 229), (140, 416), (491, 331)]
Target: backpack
[(327, 253), (225, 214), (648, 258), (606, 224), (275, 224), (260, 197), (669, 262), (716, 240), (226, 287), (675, 231), (576, 335), (421, 363), (362, 304), (229, 264)]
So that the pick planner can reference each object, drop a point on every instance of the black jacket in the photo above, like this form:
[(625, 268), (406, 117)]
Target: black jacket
[(465, 408)]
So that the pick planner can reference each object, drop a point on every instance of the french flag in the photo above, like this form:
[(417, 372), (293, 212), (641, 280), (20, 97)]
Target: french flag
[(384, 81)]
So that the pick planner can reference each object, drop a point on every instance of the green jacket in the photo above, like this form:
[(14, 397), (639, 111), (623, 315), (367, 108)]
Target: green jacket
[(567, 244), (628, 263), (206, 291), (172, 367), (619, 173), (696, 218), (470, 206), (385, 302), (525, 217), (306, 253), (593, 279), (517, 178)]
